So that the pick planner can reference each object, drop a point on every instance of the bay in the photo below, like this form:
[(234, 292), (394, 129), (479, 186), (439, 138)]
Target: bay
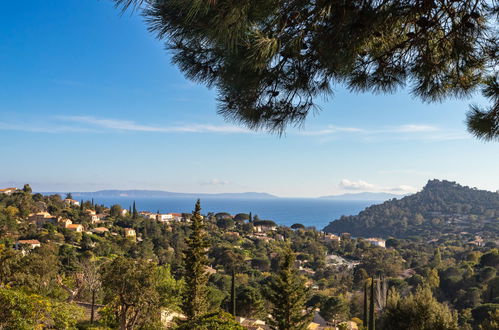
[(284, 211)]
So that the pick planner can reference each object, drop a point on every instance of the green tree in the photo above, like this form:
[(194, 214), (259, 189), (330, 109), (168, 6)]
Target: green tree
[(418, 311), (29, 311), (131, 294), (195, 260), (334, 309), (27, 189), (287, 294), (270, 60), (218, 320), (135, 214), (115, 210)]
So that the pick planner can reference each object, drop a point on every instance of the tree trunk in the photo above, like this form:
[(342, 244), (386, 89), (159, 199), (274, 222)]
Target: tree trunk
[(371, 308), (92, 310), (233, 294), (366, 309)]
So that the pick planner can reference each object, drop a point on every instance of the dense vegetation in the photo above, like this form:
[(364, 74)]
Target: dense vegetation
[(441, 208), (199, 272)]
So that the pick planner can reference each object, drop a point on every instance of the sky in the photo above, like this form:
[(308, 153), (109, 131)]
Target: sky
[(89, 100)]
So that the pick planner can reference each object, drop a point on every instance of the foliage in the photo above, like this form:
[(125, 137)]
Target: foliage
[(28, 311), (134, 292), (270, 60), (195, 260), (218, 320), (418, 311), (288, 294)]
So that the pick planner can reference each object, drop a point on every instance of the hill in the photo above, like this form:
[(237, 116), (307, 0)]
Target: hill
[(160, 193), (442, 207), (363, 196)]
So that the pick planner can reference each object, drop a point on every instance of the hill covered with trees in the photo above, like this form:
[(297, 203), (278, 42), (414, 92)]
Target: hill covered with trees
[(442, 207)]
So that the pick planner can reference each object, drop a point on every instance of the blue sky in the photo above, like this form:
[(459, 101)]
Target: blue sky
[(89, 100)]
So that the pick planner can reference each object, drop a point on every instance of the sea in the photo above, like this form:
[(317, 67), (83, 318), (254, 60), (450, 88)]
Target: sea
[(311, 212)]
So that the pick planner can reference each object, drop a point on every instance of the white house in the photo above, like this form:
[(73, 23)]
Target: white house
[(71, 202), (376, 242), (75, 227), (8, 191)]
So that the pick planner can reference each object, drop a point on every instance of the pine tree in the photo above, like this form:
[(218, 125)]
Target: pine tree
[(288, 294), (134, 214), (195, 259), (372, 315), (272, 60)]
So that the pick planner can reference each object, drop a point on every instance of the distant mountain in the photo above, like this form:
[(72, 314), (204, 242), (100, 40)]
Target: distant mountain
[(160, 193), (442, 207), (363, 196)]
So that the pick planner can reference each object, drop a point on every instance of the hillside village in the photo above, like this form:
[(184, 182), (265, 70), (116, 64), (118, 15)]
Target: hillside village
[(335, 268)]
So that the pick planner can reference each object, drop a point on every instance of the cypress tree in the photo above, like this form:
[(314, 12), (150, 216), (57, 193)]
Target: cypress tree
[(366, 310), (437, 258), (288, 295), (371, 307), (92, 202), (135, 214), (195, 260), (233, 293), (250, 217)]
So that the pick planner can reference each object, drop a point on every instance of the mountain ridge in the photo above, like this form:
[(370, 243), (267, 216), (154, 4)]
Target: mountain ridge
[(144, 193)]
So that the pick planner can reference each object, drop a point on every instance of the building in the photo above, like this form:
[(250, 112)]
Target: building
[(175, 216), (130, 232), (27, 244), (148, 215), (331, 237), (253, 324), (8, 191), (100, 230), (75, 227), (124, 212), (478, 241), (164, 217), (71, 202), (41, 218), (65, 222), (376, 242), (264, 226), (90, 212)]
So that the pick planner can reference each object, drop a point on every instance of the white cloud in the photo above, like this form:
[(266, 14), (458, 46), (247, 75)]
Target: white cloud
[(412, 128), (361, 185), (404, 189), (331, 129), (420, 132), (356, 185), (128, 125), (63, 124), (215, 182)]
